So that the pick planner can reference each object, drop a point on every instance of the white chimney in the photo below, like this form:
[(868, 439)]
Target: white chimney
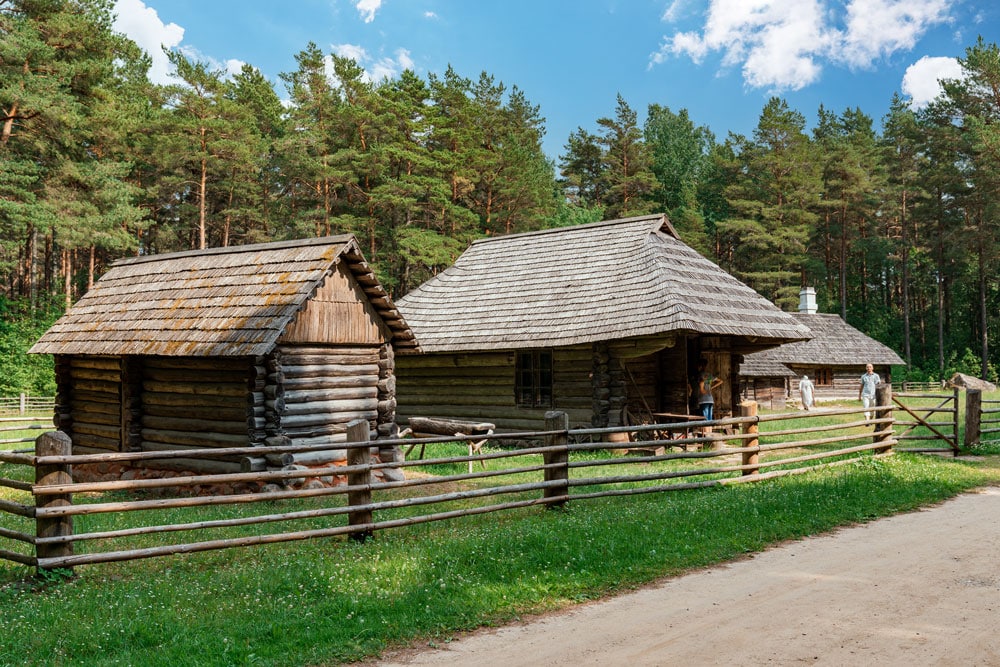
[(807, 300)]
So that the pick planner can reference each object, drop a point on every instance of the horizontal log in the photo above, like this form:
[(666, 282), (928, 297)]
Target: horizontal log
[(320, 408), (229, 413), (453, 361), (97, 374), (192, 425), (302, 421), (196, 388), (329, 394), (291, 350), (102, 430), (96, 387), (436, 426), (332, 382), (172, 399), (253, 464), (477, 399), (206, 439), (414, 381), (309, 458), (190, 375), (206, 363), (82, 442), (329, 370), (93, 407), (339, 358), (88, 417), (114, 363)]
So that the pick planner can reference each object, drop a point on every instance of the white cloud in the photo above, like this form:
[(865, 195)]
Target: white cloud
[(783, 44), (367, 9), (143, 26), (375, 70), (922, 79), (877, 28)]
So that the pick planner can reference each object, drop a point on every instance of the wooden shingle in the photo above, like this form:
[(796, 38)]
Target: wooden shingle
[(219, 302), (603, 281)]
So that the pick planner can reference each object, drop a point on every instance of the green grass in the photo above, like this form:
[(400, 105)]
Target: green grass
[(327, 602)]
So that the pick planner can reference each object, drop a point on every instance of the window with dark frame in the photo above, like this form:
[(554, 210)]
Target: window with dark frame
[(533, 379), (824, 376)]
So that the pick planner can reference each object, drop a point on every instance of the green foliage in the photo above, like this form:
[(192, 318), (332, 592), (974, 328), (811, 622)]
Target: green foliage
[(20, 372)]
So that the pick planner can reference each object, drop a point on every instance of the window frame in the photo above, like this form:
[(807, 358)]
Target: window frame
[(533, 378)]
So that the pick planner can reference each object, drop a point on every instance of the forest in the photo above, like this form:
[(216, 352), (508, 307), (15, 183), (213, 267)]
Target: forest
[(894, 221)]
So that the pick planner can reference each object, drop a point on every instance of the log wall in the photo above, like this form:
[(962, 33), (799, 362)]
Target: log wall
[(193, 403), (318, 389), (90, 387), (480, 387)]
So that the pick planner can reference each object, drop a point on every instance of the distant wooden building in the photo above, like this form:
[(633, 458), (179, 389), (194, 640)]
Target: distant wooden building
[(834, 357), (603, 321), (766, 382), (228, 347)]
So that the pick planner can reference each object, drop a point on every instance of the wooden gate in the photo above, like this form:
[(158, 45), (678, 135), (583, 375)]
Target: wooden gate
[(931, 418)]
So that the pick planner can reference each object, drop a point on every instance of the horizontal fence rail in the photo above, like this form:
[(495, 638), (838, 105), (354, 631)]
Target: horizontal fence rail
[(26, 405), (78, 523)]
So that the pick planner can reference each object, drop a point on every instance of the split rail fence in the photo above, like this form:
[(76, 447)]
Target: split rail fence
[(928, 419), (64, 523), (982, 419)]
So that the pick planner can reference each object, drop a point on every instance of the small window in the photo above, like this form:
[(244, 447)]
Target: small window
[(824, 377), (533, 379)]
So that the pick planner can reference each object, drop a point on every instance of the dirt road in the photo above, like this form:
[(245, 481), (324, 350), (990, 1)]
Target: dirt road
[(915, 589)]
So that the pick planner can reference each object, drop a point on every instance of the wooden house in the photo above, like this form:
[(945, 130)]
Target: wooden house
[(766, 382), (605, 321), (834, 357), (228, 347)]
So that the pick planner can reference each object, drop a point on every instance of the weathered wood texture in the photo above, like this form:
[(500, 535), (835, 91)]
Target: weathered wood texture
[(95, 406), (325, 387), (480, 387), (203, 402), (338, 312)]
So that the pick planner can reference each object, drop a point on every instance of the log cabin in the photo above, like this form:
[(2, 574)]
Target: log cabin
[(605, 321), (276, 343), (834, 358)]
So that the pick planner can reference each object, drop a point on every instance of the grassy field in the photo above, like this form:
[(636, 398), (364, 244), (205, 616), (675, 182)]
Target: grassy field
[(327, 602)]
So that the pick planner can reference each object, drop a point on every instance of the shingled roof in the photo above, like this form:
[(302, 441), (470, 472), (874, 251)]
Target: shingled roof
[(218, 302), (834, 343), (601, 281)]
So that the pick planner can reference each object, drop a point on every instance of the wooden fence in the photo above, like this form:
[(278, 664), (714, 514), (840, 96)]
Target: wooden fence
[(927, 418), (27, 405), (982, 418), (66, 523)]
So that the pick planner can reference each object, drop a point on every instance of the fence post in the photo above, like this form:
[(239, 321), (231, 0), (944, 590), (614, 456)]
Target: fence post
[(973, 416), (53, 443), (24, 404), (360, 493), (749, 409), (557, 462), (883, 396)]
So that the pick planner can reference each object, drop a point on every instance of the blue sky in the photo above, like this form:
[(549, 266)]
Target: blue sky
[(719, 59)]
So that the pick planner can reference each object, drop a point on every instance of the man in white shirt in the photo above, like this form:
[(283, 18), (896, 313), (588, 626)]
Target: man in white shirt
[(866, 391)]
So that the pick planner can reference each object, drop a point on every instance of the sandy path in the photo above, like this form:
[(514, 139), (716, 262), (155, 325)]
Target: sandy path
[(916, 589)]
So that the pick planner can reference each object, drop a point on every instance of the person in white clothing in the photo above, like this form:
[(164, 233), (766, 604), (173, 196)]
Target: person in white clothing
[(866, 391), (806, 392)]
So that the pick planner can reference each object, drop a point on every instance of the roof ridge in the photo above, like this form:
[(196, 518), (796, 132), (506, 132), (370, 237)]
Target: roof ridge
[(235, 249), (589, 225)]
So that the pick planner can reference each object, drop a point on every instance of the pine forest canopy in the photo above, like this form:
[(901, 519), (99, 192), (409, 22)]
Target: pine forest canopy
[(894, 223)]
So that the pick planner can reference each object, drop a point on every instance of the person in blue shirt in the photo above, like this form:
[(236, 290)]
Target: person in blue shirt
[(866, 391)]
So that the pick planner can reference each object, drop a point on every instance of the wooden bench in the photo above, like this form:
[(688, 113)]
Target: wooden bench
[(426, 427)]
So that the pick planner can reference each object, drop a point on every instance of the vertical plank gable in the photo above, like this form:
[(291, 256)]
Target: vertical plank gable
[(339, 313)]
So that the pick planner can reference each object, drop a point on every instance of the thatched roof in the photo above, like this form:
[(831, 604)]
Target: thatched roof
[(603, 281), (219, 302), (834, 343)]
